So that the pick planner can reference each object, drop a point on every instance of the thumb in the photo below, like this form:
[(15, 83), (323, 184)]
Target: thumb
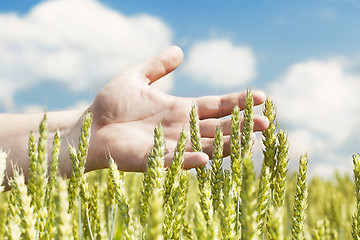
[(161, 65)]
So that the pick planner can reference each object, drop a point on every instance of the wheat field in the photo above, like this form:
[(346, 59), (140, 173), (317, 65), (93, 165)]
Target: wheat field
[(209, 203)]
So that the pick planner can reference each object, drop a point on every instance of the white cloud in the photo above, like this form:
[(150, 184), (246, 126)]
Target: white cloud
[(220, 63), (319, 101), (79, 43)]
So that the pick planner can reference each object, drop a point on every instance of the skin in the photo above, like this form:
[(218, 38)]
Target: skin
[(125, 112)]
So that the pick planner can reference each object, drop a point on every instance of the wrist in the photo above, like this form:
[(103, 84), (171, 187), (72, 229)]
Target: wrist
[(70, 130), (95, 157)]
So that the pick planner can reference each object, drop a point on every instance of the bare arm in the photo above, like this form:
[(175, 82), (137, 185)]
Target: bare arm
[(15, 131)]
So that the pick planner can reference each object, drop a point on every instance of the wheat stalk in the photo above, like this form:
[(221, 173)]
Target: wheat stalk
[(300, 204), (23, 204)]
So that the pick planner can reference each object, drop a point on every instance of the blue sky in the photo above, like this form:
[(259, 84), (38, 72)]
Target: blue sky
[(303, 54)]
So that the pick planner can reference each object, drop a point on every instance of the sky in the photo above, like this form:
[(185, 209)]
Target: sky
[(305, 55)]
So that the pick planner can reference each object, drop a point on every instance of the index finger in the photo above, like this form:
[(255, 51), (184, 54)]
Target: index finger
[(220, 106)]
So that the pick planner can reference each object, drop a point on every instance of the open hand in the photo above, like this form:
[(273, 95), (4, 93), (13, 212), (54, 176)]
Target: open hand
[(127, 109)]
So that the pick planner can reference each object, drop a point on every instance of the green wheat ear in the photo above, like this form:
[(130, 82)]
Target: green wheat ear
[(249, 203), (78, 159), (173, 173), (275, 225), (156, 171), (236, 160), (217, 171), (94, 211), (155, 219), (174, 191), (269, 136), (154, 175), (38, 167), (320, 230), (235, 147), (263, 199), (32, 152), (247, 134), (120, 196), (54, 169), (12, 223), (281, 169), (23, 204), (117, 178), (50, 202), (228, 215), (42, 165), (195, 130), (203, 173), (38, 176), (63, 218), (268, 166), (356, 216), (179, 210), (300, 204)]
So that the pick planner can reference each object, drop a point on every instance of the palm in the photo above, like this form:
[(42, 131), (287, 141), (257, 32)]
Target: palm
[(126, 111)]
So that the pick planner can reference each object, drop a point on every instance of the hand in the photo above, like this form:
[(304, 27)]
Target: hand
[(127, 109)]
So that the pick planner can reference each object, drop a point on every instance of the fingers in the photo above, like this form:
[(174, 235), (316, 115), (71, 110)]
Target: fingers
[(162, 64), (207, 144), (196, 159), (220, 106), (208, 126), (191, 159)]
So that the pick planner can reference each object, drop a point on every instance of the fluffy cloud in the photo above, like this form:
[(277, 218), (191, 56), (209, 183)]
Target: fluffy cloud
[(320, 103), (220, 63), (79, 43)]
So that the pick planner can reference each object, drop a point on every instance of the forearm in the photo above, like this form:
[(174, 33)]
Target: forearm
[(15, 131)]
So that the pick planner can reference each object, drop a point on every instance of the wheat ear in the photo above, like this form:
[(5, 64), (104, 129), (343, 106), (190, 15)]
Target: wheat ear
[(203, 173), (217, 170), (300, 204)]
